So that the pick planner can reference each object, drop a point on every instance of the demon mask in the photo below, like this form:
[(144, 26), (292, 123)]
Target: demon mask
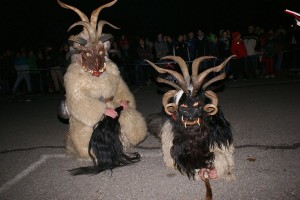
[(191, 101), (90, 43)]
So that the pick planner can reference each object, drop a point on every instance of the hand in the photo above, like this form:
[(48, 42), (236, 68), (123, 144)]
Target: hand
[(125, 104), (110, 112), (212, 173)]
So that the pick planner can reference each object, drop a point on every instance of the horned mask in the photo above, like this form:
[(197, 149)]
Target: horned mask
[(90, 43), (190, 101)]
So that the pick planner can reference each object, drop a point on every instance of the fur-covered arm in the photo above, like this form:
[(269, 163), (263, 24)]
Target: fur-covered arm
[(123, 93), (82, 106)]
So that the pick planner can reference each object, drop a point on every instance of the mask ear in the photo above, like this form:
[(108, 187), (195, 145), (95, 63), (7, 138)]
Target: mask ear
[(212, 108), (77, 39)]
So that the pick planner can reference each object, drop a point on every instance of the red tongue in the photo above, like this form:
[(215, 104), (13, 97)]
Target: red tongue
[(96, 73)]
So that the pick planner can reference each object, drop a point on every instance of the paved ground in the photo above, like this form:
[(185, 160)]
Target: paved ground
[(264, 115)]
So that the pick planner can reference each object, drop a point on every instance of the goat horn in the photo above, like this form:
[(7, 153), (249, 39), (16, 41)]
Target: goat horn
[(178, 76), (101, 23), (161, 80), (82, 16), (95, 13), (217, 78), (183, 67), (169, 107), (212, 108), (200, 78), (88, 27), (196, 65)]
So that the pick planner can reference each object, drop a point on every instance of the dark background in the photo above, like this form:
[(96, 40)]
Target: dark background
[(39, 22)]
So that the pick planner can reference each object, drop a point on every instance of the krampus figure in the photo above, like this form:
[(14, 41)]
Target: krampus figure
[(94, 88), (196, 137), (106, 149)]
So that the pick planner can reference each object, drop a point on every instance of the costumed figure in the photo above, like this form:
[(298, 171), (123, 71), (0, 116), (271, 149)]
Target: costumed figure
[(94, 88), (196, 138)]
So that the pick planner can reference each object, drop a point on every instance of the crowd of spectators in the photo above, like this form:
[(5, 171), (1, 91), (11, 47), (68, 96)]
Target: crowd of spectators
[(260, 53)]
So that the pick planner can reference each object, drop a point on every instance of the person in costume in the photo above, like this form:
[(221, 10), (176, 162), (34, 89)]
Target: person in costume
[(94, 88), (196, 137)]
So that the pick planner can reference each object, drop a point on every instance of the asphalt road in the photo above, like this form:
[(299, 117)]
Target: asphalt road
[(264, 115)]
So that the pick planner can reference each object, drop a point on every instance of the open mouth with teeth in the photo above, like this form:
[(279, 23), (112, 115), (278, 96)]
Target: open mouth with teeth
[(191, 123), (95, 72)]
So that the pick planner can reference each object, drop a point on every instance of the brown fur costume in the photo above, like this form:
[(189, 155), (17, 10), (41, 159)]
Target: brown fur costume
[(88, 95)]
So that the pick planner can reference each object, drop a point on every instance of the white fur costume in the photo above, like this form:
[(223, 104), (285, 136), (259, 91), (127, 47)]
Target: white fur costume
[(83, 94), (94, 84)]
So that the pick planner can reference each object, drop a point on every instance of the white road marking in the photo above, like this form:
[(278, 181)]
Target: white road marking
[(43, 158), (28, 170)]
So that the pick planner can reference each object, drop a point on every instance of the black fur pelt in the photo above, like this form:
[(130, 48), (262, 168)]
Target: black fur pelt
[(191, 144), (106, 145), (155, 123)]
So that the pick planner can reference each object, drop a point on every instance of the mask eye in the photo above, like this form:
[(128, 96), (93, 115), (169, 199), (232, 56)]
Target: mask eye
[(196, 104), (101, 52)]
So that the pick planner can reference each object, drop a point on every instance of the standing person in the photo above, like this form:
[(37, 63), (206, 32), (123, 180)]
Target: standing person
[(214, 49), (181, 48), (55, 68), (34, 72), (250, 41), (161, 47), (8, 72), (44, 71), (116, 56), (22, 68), (238, 48), (124, 47), (191, 46), (171, 44), (225, 52), (141, 70), (268, 51), (280, 44), (202, 44)]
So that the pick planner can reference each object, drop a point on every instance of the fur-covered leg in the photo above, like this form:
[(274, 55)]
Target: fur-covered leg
[(224, 162), (80, 137), (69, 145), (222, 167), (167, 143), (133, 128)]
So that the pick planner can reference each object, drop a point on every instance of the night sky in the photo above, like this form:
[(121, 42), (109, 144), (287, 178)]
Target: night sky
[(40, 22)]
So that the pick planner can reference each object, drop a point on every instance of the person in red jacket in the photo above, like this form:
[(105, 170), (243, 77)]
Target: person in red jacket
[(238, 48)]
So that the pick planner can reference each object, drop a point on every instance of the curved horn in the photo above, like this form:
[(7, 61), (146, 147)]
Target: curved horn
[(95, 13), (169, 107), (82, 16), (212, 108), (196, 64), (217, 78), (88, 27), (200, 78), (101, 23), (161, 80), (178, 76), (183, 67)]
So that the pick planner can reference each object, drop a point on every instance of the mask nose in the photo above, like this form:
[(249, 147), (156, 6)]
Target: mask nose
[(192, 113)]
